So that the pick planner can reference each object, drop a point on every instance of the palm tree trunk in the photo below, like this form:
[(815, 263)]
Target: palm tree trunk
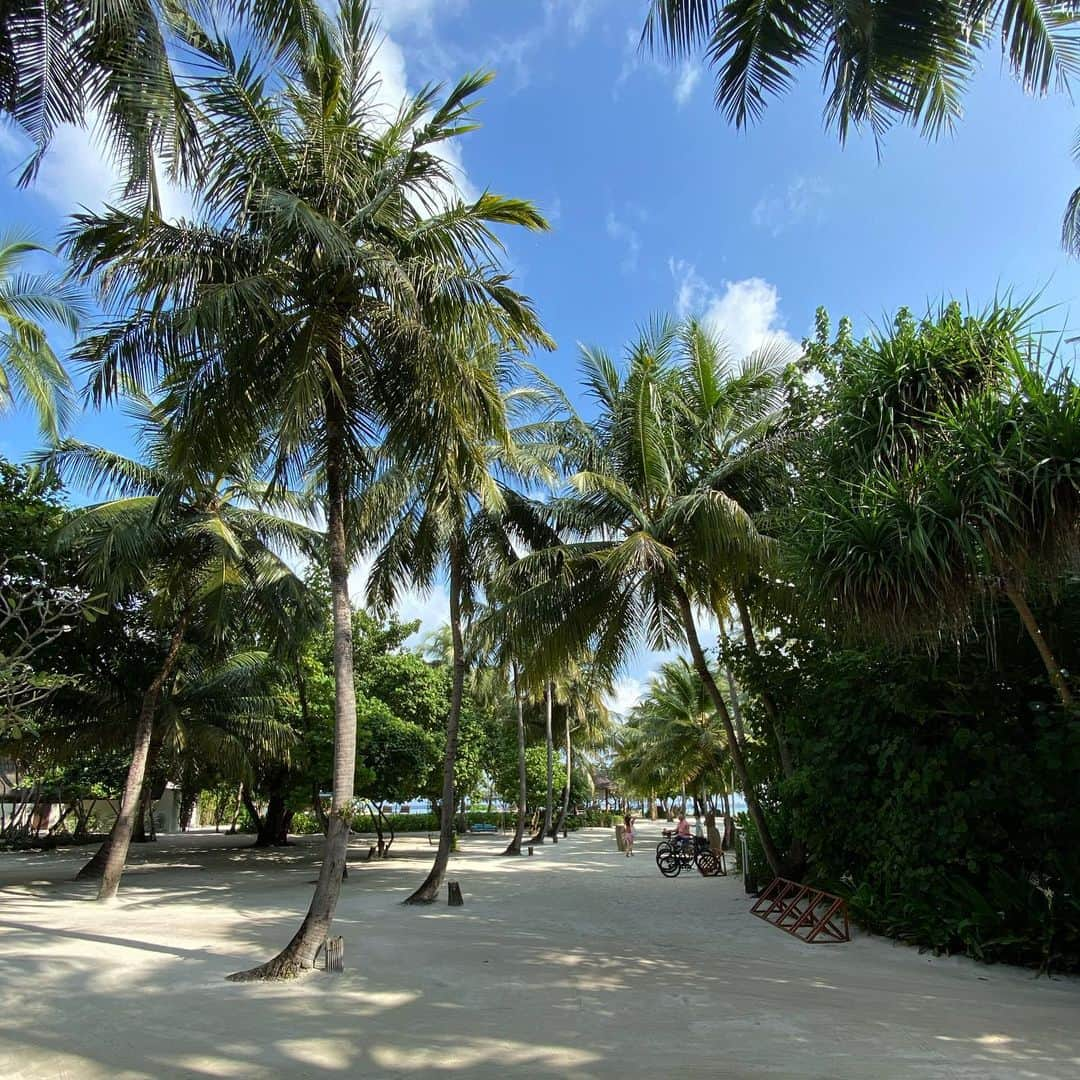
[(514, 847), (299, 955), (115, 850), (545, 829), (429, 890), (560, 825), (787, 761), (1027, 617), (701, 664)]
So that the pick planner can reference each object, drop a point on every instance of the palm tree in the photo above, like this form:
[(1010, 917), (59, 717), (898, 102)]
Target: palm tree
[(580, 693), (226, 713), (679, 736), (308, 311), (446, 508), (199, 541), (112, 65), (656, 536), (882, 61), (29, 369)]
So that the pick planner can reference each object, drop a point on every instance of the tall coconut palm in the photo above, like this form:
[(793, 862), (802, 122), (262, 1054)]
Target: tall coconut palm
[(445, 508), (29, 368), (307, 311), (201, 542), (657, 537)]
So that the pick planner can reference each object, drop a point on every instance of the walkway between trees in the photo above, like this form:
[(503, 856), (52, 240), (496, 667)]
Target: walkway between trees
[(576, 962)]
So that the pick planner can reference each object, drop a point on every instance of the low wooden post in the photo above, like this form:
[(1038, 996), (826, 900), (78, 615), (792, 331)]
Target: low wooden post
[(334, 954), (620, 837), (453, 894), (530, 849)]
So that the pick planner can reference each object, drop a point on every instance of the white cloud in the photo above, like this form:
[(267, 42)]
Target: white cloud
[(683, 78), (625, 234), (802, 201), (399, 15), (688, 78), (624, 695), (746, 313), (78, 172)]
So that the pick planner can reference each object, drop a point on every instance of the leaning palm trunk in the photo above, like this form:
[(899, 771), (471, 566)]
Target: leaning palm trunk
[(115, 849), (514, 847), (429, 890), (545, 828), (299, 955), (560, 825), (776, 863), (1053, 668)]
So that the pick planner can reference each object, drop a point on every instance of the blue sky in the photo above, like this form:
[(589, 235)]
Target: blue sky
[(657, 205)]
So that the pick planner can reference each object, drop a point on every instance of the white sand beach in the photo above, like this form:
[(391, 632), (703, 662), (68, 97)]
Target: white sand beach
[(576, 962)]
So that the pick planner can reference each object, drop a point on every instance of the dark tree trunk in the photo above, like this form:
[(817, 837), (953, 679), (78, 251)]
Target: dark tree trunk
[(428, 892), (299, 955), (115, 850), (545, 828), (273, 828), (514, 847), (702, 666), (560, 825), (376, 824), (1053, 668), (188, 799), (139, 834)]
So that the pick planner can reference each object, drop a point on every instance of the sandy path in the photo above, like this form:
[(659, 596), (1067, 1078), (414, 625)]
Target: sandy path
[(575, 963)]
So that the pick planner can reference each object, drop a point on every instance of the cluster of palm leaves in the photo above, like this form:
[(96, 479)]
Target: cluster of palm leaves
[(881, 61), (947, 478)]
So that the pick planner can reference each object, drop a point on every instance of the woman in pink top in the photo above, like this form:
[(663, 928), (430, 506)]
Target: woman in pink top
[(628, 835), (682, 829)]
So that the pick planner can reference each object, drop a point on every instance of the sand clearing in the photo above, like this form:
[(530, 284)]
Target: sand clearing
[(577, 962)]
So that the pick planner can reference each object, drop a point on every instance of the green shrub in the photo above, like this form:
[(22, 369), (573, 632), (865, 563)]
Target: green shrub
[(305, 823)]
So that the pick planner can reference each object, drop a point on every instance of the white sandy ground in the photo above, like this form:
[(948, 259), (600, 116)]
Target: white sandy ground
[(577, 962)]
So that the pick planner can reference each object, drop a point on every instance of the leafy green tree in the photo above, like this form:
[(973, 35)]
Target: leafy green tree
[(656, 535), (941, 476), (398, 756), (505, 771), (306, 317), (30, 370), (197, 542)]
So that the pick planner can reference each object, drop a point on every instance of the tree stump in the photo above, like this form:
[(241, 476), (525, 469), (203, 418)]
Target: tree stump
[(620, 837), (530, 849), (453, 894)]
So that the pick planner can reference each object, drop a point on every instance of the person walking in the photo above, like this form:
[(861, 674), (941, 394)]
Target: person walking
[(628, 834)]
